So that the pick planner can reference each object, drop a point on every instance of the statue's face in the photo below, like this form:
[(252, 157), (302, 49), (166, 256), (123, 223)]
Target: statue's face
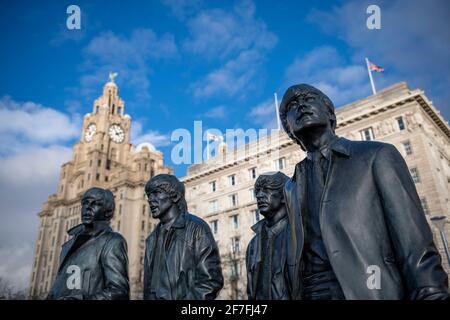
[(306, 111), (160, 203), (269, 201), (92, 209)]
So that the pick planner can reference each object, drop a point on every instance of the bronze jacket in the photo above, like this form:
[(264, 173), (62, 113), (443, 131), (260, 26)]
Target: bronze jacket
[(103, 267), (280, 287), (192, 261), (371, 217)]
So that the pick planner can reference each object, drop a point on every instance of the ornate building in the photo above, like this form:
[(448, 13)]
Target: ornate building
[(221, 189), (104, 157)]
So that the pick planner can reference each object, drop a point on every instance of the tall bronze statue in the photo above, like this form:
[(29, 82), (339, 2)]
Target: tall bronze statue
[(266, 259), (358, 228), (182, 261), (94, 262)]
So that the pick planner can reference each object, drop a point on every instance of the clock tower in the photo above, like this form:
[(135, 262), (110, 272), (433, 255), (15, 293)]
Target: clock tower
[(103, 157)]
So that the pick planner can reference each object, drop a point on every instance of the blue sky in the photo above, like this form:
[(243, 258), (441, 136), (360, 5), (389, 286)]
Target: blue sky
[(180, 61)]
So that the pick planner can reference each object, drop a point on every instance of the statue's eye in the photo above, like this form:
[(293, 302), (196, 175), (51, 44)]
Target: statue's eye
[(309, 98)]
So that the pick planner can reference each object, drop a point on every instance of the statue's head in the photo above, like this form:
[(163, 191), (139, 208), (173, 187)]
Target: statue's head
[(304, 107), (164, 191), (97, 204), (269, 193)]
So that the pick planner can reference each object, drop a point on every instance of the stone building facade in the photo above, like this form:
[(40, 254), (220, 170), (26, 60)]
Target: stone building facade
[(221, 189), (103, 157)]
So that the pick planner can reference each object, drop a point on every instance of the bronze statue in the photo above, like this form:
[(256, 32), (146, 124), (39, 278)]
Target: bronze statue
[(266, 258), (94, 262), (358, 228), (182, 260)]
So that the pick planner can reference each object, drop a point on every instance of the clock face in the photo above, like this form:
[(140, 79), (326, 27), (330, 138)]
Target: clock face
[(90, 131), (116, 133)]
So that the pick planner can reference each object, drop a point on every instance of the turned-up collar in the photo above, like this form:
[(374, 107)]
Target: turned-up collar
[(99, 227)]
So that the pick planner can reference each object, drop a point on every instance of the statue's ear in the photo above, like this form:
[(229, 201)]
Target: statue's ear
[(175, 198)]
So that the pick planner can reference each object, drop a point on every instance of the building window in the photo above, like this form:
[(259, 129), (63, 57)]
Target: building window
[(233, 200), (146, 167), (415, 174), (99, 162), (213, 186), (215, 226), (235, 245), (367, 134), (400, 123), (424, 204), (89, 177), (97, 108), (144, 209), (235, 270), (232, 180), (408, 148), (106, 178), (280, 164), (252, 194), (142, 225), (213, 206), (252, 173), (120, 209), (119, 110), (90, 163), (118, 225), (235, 219), (97, 176)]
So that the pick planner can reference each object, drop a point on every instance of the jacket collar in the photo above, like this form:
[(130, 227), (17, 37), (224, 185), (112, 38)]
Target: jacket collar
[(180, 221), (99, 227), (342, 146), (275, 229)]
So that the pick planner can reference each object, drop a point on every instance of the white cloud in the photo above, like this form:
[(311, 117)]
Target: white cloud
[(264, 114), (16, 265), (32, 139), (237, 40), (154, 137), (232, 78), (129, 56), (183, 8), (219, 112), (324, 68), (31, 122), (412, 45)]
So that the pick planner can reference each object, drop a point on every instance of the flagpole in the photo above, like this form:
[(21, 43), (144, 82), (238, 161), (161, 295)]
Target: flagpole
[(207, 147), (370, 76), (277, 111)]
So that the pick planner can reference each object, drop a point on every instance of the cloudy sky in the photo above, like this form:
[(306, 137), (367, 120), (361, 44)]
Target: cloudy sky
[(180, 61)]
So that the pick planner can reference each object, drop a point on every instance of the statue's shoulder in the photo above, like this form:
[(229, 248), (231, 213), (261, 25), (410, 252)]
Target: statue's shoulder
[(114, 238), (367, 147), (196, 225)]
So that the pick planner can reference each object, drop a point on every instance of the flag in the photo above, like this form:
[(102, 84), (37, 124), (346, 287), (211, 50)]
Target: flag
[(210, 136), (374, 67)]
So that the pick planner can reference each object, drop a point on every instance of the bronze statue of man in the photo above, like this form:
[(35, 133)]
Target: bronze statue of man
[(266, 258), (358, 228), (182, 260), (94, 262)]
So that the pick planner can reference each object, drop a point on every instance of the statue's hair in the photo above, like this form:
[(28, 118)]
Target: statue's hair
[(296, 91), (107, 198), (170, 184), (271, 180)]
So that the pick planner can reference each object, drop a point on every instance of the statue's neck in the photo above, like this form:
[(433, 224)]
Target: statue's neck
[(317, 138)]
